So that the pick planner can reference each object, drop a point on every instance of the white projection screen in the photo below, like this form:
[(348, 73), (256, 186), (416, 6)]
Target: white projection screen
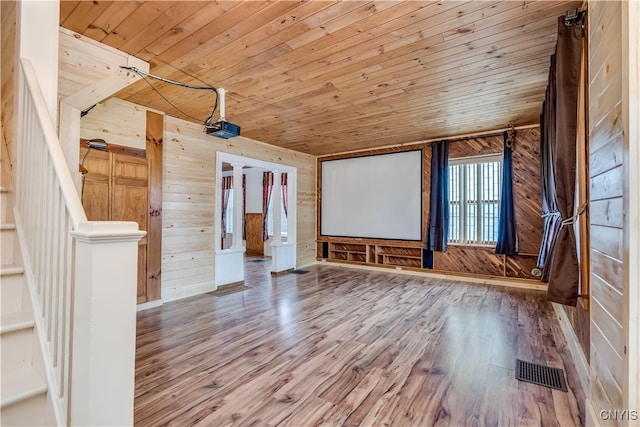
[(376, 196)]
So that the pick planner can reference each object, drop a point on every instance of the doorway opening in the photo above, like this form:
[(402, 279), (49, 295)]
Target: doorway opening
[(255, 216)]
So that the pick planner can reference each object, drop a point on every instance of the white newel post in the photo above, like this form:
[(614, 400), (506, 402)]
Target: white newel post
[(104, 323)]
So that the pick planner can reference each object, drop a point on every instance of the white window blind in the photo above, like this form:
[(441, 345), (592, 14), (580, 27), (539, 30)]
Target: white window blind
[(474, 200)]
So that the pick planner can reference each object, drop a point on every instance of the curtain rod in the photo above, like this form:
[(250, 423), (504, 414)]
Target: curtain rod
[(429, 141)]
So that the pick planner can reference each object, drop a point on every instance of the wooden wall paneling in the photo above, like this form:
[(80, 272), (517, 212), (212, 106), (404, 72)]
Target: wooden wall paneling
[(520, 266), (607, 268), (188, 201), (608, 360), (469, 260), (605, 391), (426, 187), (608, 297), (117, 122), (154, 151), (631, 134), (526, 190), (608, 129), (606, 192), (7, 66), (469, 147), (607, 240), (190, 169), (606, 157), (607, 212), (580, 321), (607, 185)]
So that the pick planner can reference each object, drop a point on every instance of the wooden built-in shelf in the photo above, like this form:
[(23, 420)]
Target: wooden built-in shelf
[(472, 261), (368, 253)]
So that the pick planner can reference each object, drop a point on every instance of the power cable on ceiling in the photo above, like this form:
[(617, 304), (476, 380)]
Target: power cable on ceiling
[(144, 74)]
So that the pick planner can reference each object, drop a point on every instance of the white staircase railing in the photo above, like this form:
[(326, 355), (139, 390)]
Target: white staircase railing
[(82, 275)]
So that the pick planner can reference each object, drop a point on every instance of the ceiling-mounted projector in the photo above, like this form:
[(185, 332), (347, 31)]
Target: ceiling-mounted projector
[(222, 128)]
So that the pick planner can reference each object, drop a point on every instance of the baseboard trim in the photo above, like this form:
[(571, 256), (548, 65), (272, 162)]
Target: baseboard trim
[(575, 350), (176, 293), (149, 304), (510, 283), (228, 286)]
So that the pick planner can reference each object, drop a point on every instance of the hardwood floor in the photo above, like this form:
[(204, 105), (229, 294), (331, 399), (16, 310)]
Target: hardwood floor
[(340, 346)]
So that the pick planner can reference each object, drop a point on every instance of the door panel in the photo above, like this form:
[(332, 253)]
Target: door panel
[(131, 203), (95, 195), (116, 188)]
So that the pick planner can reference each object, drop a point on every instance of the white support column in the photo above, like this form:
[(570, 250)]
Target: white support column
[(38, 27), (282, 253), (292, 232), (277, 202), (237, 207), (104, 323)]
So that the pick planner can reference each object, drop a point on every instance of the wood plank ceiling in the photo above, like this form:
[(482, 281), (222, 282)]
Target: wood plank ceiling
[(327, 77)]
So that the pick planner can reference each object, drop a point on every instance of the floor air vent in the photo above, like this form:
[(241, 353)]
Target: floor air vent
[(299, 271), (541, 375)]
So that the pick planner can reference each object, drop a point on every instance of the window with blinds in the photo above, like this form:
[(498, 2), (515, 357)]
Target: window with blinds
[(474, 200)]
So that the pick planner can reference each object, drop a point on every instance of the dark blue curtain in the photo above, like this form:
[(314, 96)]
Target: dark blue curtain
[(438, 225), (507, 239)]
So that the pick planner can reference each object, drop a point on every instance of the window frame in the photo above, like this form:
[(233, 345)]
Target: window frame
[(462, 202)]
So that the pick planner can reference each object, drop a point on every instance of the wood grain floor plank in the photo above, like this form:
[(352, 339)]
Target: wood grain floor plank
[(344, 347)]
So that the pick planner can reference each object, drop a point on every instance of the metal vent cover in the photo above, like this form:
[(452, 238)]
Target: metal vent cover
[(299, 271), (541, 375)]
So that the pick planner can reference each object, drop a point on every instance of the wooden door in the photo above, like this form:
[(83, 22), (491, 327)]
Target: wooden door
[(255, 244), (130, 202), (116, 188)]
